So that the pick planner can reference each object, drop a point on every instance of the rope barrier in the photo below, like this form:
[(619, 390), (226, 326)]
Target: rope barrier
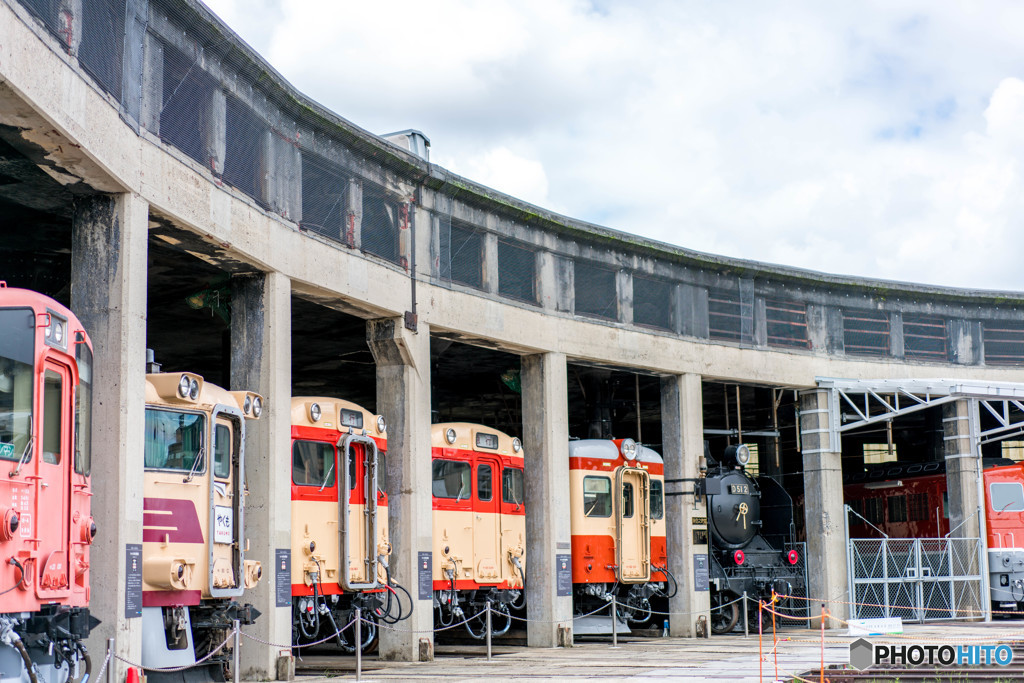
[(174, 669), (299, 647), (99, 676)]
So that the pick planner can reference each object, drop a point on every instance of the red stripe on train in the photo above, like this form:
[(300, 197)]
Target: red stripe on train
[(170, 518)]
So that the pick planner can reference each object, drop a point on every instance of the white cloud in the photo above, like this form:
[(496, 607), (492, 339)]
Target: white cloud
[(878, 139)]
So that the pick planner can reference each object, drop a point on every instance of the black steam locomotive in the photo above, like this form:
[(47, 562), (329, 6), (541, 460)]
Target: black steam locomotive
[(752, 543)]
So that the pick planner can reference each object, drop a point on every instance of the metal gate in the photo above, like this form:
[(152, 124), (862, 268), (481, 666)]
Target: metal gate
[(917, 579)]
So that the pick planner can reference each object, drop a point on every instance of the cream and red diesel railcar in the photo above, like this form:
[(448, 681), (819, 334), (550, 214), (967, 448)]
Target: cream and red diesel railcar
[(479, 526), (340, 542), (194, 565)]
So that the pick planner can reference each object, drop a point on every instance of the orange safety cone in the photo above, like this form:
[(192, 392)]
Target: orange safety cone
[(133, 675)]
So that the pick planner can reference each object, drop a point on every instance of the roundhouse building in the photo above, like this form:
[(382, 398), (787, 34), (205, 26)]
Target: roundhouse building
[(163, 180)]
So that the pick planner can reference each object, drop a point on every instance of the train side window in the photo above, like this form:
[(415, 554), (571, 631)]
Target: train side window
[(313, 463), (657, 499), (512, 485), (53, 415), (1007, 496), (382, 472), (627, 499), (83, 411), (597, 496), (451, 479), (352, 455), (483, 481), (222, 452), (897, 509), (174, 440)]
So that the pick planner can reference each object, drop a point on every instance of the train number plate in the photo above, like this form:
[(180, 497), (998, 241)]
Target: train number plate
[(742, 489), (224, 524)]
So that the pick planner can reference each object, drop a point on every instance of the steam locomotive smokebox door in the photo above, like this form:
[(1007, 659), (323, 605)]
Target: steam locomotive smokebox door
[(633, 525)]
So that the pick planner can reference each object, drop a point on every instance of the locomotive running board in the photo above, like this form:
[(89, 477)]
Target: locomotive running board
[(598, 625)]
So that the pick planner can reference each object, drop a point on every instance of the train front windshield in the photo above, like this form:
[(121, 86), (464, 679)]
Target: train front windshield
[(174, 440), (17, 348)]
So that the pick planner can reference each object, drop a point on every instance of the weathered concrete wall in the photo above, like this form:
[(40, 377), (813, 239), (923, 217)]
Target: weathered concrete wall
[(962, 463), (108, 293)]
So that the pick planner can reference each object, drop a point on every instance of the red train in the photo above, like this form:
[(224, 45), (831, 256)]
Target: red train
[(910, 501), (47, 528)]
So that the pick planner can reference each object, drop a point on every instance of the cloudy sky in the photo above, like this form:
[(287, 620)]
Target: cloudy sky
[(875, 138)]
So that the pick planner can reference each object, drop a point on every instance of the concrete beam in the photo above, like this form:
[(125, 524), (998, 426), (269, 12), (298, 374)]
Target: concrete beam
[(546, 469), (682, 443), (108, 293), (823, 507), (403, 397), (261, 362)]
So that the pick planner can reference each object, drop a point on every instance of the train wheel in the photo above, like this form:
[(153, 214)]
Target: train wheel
[(723, 615)]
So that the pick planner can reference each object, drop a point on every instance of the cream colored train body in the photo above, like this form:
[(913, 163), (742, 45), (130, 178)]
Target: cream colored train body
[(340, 543), (479, 526), (194, 543)]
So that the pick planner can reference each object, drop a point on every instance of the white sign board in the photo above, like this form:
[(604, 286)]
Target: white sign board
[(875, 627), (223, 524)]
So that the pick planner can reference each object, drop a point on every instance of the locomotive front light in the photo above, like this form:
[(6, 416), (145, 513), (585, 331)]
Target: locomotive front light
[(381, 424), (449, 435), (184, 386), (792, 557), (247, 406), (1004, 579), (311, 547), (193, 392), (314, 412), (11, 522), (517, 445), (58, 332), (181, 572), (629, 449), (257, 406), (742, 454), (738, 557)]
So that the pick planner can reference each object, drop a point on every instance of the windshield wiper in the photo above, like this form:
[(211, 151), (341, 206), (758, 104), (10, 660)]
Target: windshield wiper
[(327, 477), (195, 465), (24, 456)]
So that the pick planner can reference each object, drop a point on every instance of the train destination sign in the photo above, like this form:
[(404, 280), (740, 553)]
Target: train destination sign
[(7, 450)]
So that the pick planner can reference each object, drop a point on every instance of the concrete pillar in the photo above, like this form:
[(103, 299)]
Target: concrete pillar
[(403, 398), (546, 465), (352, 231), (152, 84), (284, 177), (108, 293), (215, 135), (547, 282), (823, 507), (961, 469), (490, 269), (692, 304), (261, 362), (682, 444), (624, 294), (746, 287), (897, 343)]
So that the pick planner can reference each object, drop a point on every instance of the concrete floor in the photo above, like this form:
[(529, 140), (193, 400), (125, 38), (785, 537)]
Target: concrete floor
[(725, 658)]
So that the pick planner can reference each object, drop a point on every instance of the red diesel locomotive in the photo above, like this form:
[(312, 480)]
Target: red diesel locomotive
[(46, 527)]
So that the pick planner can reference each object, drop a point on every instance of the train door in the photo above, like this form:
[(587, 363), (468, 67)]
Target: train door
[(53, 475), (487, 522), (633, 525), (357, 508), (226, 542)]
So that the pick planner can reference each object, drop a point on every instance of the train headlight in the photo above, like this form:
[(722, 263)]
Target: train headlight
[(184, 386), (742, 454), (181, 572), (314, 412), (517, 445), (381, 424), (738, 557), (247, 406), (449, 435), (257, 406), (629, 449), (58, 332), (193, 392), (11, 522), (792, 557)]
